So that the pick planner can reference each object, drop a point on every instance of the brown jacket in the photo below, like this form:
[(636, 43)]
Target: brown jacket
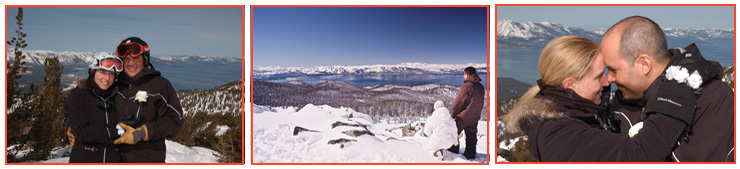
[(470, 99), (559, 134), (162, 112), (712, 137)]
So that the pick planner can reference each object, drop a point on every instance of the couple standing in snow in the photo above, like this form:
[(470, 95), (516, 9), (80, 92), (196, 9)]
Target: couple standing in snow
[(122, 118), (443, 131), (671, 104)]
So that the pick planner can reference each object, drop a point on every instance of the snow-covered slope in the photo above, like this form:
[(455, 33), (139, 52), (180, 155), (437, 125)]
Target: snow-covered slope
[(324, 134), (176, 153), (404, 68), (225, 99)]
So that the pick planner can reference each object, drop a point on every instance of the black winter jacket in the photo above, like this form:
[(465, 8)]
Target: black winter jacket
[(162, 112), (560, 131), (93, 126), (712, 136)]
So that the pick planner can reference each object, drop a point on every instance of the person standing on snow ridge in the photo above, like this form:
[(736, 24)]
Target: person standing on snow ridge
[(466, 110), (91, 115), (441, 130), (149, 110)]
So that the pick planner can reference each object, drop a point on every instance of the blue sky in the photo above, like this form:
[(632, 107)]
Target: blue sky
[(594, 17), (324, 36), (210, 31)]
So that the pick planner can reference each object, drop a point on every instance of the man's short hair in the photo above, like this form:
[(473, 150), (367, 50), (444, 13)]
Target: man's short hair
[(470, 70), (640, 35)]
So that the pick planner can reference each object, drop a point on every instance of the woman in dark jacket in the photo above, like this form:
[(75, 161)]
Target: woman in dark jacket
[(559, 114), (91, 114)]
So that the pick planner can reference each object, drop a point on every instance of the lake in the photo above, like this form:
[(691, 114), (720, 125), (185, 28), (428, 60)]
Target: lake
[(196, 76), (371, 80), (521, 63)]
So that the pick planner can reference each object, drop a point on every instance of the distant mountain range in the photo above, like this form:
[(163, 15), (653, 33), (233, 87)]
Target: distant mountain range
[(269, 73), (77, 59), (516, 34)]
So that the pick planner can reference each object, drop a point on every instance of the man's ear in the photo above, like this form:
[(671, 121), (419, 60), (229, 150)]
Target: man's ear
[(569, 82), (644, 64)]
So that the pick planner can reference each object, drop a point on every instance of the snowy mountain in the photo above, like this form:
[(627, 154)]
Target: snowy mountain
[(513, 34), (324, 134), (516, 34), (77, 59), (74, 62), (404, 68)]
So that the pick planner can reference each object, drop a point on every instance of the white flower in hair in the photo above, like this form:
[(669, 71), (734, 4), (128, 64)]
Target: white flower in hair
[(141, 96), (635, 129)]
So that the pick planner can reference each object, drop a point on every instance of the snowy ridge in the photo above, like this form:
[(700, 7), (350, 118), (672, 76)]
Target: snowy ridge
[(324, 134), (403, 68), (517, 34), (223, 99), (422, 87), (77, 59), (514, 34)]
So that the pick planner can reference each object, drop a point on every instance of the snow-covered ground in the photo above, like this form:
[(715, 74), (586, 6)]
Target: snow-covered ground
[(329, 135), (176, 153)]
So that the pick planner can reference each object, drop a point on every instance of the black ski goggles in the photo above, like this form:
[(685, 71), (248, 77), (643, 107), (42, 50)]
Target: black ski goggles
[(132, 48)]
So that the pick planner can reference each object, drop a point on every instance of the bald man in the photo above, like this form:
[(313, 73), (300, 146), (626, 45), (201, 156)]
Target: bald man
[(636, 56)]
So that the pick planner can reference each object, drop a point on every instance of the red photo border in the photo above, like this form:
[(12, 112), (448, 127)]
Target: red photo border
[(488, 56), (735, 95), (242, 86)]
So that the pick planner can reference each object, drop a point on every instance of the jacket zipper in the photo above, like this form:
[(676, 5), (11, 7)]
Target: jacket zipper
[(105, 149)]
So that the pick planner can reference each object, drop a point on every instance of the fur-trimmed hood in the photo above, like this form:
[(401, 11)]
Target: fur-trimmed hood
[(534, 108)]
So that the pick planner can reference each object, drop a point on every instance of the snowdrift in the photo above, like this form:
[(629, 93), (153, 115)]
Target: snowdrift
[(324, 134)]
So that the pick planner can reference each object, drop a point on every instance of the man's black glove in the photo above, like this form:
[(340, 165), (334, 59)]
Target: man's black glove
[(132, 121)]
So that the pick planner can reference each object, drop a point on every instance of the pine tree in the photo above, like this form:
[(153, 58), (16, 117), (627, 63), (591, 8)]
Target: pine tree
[(19, 119), (47, 131), (15, 68)]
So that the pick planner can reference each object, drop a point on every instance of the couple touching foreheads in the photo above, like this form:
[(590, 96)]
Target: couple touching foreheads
[(671, 104)]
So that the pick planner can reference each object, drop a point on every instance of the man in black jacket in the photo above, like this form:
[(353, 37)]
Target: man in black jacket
[(636, 55), (148, 108)]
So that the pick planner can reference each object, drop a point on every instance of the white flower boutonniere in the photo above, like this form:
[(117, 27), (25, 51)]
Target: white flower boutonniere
[(141, 96), (635, 129), (120, 129), (681, 75)]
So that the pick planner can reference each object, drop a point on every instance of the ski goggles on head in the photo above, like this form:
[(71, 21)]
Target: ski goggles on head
[(111, 64), (133, 48)]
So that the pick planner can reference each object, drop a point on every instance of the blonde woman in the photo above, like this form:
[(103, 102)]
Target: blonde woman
[(559, 113)]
